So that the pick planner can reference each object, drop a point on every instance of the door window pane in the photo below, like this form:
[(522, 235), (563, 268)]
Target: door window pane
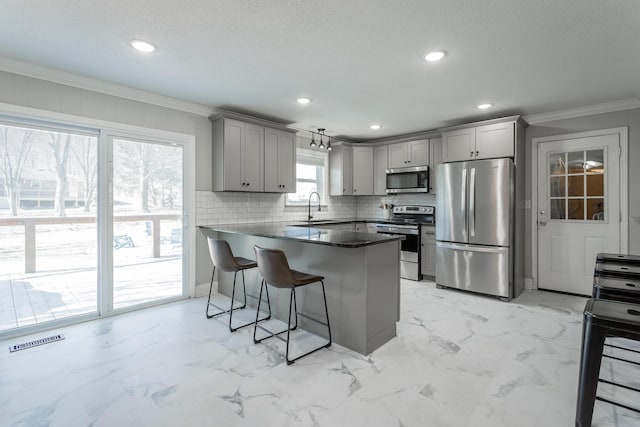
[(575, 185), (147, 228), (595, 209), (595, 185), (575, 162), (557, 209), (575, 209), (595, 161), (557, 186), (557, 164), (48, 234)]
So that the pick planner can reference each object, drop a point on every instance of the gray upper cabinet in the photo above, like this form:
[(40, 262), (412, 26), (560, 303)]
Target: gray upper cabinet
[(495, 140), (408, 154), (239, 162), (362, 171), (435, 158), (341, 171), (489, 141), (279, 161), (238, 156), (380, 170)]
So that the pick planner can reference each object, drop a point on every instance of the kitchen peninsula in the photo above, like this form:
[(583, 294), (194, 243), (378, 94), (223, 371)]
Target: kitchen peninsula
[(361, 271)]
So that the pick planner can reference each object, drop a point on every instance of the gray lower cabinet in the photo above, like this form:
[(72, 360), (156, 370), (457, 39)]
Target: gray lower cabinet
[(428, 251)]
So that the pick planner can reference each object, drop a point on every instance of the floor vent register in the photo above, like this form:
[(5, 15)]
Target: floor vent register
[(35, 343)]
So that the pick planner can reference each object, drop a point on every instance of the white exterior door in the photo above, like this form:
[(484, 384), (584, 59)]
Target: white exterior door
[(579, 210)]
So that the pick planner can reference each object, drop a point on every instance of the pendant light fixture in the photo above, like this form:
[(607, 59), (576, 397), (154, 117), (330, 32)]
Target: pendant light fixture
[(322, 135)]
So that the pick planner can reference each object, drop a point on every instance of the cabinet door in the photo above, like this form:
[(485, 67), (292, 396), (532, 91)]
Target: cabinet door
[(428, 255), (271, 159), (398, 156), (233, 140), (459, 145), (253, 156), (347, 171), (495, 141), (380, 170), (287, 162), (435, 158), (362, 171), (418, 152)]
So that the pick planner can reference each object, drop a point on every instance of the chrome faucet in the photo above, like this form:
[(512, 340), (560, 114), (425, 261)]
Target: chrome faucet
[(309, 214)]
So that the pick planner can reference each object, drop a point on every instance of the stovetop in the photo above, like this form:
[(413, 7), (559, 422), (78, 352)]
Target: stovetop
[(413, 215)]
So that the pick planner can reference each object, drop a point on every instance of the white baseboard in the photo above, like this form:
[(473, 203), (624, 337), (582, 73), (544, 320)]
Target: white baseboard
[(202, 290), (528, 283)]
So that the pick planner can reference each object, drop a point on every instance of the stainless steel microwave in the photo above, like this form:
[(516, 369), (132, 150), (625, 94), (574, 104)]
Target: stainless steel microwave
[(408, 180)]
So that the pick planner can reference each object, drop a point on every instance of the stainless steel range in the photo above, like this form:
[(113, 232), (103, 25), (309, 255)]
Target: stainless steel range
[(406, 221)]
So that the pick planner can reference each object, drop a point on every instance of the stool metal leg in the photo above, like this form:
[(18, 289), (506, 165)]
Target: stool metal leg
[(291, 361), (209, 316), (271, 333), (592, 345)]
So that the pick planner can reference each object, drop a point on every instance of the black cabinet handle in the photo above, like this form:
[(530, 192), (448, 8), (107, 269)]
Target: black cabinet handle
[(477, 152)]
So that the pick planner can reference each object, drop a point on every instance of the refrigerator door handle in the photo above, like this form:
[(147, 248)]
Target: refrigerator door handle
[(463, 195), (472, 202), (458, 247)]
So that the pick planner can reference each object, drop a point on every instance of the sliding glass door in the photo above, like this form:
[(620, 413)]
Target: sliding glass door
[(48, 228), (91, 222), (147, 221)]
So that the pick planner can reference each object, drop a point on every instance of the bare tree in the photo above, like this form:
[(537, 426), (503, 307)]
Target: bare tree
[(86, 153), (15, 151), (60, 144)]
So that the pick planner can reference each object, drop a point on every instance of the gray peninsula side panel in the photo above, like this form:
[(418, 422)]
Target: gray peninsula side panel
[(362, 286)]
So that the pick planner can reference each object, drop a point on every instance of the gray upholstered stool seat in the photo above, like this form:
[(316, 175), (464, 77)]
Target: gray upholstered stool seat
[(275, 270), (223, 259)]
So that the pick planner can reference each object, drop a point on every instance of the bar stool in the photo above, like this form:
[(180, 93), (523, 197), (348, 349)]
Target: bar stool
[(602, 318), (223, 259), (274, 268)]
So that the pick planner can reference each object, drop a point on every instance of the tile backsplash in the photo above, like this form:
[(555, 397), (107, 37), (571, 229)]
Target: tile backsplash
[(214, 208), (232, 208)]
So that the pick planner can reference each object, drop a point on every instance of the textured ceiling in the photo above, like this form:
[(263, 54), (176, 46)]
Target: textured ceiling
[(360, 61)]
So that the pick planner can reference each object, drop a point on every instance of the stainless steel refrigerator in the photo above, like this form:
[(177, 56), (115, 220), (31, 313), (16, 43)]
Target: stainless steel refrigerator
[(474, 226)]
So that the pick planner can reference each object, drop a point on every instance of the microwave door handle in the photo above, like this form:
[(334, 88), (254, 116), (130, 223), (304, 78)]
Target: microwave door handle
[(463, 195), (472, 202)]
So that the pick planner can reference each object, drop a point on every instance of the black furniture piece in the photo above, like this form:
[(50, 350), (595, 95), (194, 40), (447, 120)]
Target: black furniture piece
[(275, 270), (602, 318), (223, 259), (617, 277)]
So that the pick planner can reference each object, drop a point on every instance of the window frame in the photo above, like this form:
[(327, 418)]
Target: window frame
[(323, 181)]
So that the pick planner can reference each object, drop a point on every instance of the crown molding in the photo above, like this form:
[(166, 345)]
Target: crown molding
[(569, 113), (62, 77)]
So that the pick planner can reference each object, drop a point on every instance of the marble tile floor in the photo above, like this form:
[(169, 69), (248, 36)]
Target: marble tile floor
[(458, 360)]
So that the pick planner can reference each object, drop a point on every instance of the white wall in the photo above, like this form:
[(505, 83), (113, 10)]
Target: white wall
[(628, 118)]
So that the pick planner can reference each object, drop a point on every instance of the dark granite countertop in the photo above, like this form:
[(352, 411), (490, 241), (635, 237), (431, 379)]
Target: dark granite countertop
[(309, 234)]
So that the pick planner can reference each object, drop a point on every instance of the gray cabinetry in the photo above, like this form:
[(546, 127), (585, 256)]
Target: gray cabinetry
[(362, 171), (408, 154), (490, 141), (238, 156), (435, 158), (239, 162), (380, 170), (279, 161), (341, 171), (428, 251)]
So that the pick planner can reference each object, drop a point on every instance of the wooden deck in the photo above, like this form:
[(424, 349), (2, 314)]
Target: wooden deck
[(28, 299)]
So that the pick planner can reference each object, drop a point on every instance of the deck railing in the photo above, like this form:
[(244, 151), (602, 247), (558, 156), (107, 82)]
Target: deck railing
[(30, 223)]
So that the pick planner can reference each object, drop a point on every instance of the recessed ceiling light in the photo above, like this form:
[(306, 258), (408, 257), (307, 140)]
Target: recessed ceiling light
[(375, 127), (484, 106), (435, 56), (142, 46), (303, 101)]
